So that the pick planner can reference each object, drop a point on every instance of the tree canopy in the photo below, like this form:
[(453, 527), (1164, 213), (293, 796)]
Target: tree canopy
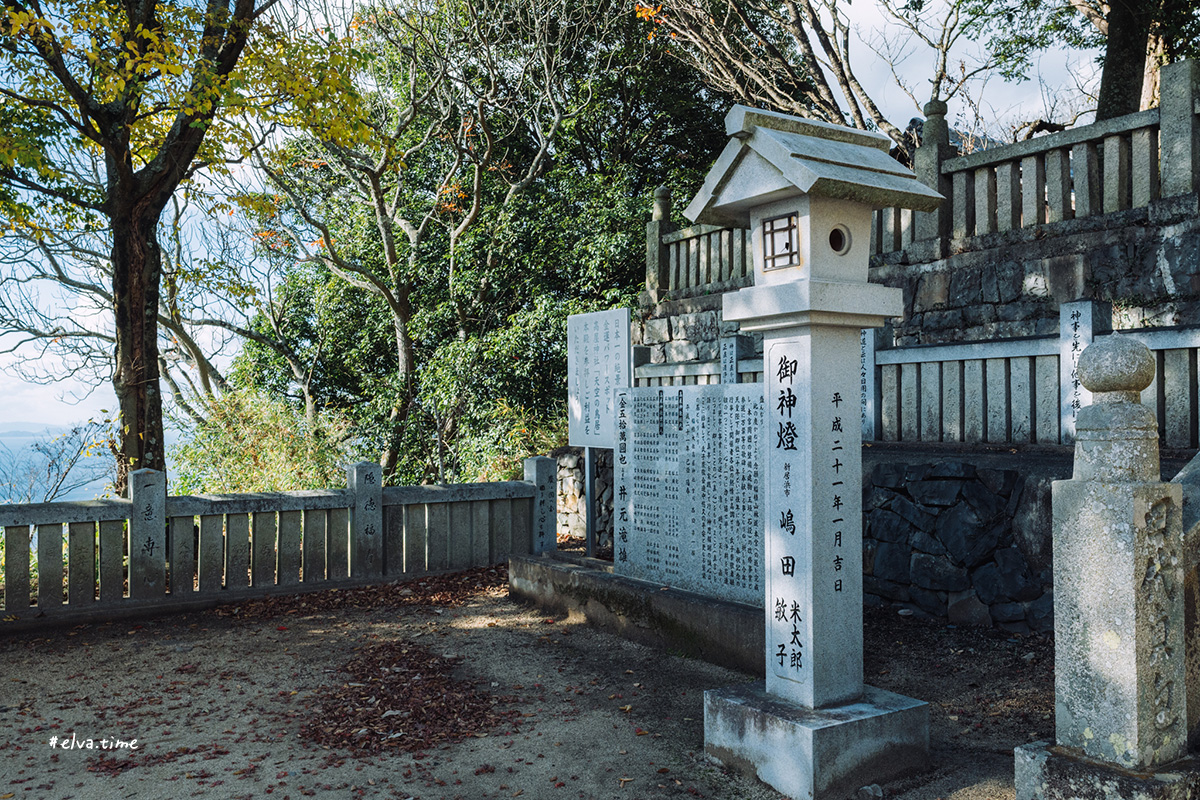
[(108, 108)]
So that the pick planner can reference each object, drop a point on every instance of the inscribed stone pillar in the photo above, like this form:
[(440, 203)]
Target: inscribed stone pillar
[(1120, 696), (1118, 575), (365, 480), (147, 534)]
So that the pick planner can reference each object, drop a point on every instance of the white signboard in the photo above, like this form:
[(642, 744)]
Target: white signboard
[(598, 363)]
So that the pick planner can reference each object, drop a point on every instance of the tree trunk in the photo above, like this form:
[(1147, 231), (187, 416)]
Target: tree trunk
[(137, 267), (406, 374), (1124, 58)]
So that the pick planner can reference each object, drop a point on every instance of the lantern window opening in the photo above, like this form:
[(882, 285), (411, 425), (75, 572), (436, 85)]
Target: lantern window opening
[(781, 245)]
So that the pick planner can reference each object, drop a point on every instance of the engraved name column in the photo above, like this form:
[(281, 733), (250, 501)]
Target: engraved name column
[(1118, 574), (806, 192)]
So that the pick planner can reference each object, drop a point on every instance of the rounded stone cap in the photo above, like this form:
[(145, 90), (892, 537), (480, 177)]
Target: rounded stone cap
[(662, 203), (933, 107), (1116, 363)]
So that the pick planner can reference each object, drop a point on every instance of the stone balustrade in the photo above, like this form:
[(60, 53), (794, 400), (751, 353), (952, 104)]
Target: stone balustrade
[(106, 559)]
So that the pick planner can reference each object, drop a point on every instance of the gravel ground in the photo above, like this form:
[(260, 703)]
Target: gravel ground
[(453, 691)]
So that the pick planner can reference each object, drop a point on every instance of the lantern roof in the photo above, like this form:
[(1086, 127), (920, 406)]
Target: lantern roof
[(772, 156)]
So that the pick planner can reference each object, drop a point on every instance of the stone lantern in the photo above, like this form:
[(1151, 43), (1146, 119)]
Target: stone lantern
[(807, 190)]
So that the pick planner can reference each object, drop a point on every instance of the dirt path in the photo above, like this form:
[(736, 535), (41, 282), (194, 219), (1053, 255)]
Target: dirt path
[(218, 703)]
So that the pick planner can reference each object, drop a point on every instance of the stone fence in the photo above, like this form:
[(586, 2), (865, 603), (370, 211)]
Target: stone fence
[(1007, 391), (106, 559)]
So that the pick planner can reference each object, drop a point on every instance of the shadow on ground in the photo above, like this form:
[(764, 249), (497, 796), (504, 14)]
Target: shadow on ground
[(443, 688)]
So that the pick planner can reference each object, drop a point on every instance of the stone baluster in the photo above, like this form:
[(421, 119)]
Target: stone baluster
[(927, 164), (658, 259)]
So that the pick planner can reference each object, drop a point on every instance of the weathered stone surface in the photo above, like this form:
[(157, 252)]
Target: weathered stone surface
[(887, 527), (1040, 613), (932, 603), (918, 517), (681, 351), (1007, 612), (658, 354), (979, 315), (935, 493), (969, 538), (1005, 580), (892, 562), (656, 331), (874, 497), (964, 608), (916, 472), (708, 350), (1043, 772), (1017, 581), (888, 476), (965, 287), (957, 470), (933, 290), (869, 549), (695, 327), (937, 573), (978, 497), (924, 543), (882, 588)]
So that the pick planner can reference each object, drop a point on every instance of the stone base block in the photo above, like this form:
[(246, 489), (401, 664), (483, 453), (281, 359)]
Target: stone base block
[(816, 754), (1049, 772)]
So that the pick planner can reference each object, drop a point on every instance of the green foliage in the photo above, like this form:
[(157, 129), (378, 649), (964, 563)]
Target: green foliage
[(489, 342), (253, 442)]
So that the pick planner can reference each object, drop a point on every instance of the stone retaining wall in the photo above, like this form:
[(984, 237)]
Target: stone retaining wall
[(686, 331), (571, 521), (946, 539)]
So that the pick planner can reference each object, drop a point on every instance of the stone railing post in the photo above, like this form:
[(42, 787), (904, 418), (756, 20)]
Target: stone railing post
[(1118, 602), (1179, 132), (147, 534), (658, 261), (868, 395), (932, 227), (365, 480), (1079, 322), (542, 472)]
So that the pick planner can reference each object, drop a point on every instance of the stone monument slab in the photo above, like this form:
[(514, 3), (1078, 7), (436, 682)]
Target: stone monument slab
[(687, 488), (598, 363)]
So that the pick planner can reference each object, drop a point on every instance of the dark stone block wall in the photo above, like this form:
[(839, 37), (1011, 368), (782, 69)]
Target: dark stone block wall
[(939, 538)]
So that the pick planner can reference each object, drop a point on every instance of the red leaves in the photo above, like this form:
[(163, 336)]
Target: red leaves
[(437, 590), (400, 696)]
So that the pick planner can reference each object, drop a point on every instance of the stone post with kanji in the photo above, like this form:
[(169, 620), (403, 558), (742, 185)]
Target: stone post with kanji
[(1119, 678)]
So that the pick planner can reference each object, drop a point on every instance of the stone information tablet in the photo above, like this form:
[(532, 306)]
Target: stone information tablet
[(687, 493), (598, 362)]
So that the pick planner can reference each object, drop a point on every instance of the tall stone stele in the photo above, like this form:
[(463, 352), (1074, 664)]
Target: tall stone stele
[(1119, 687), (806, 190)]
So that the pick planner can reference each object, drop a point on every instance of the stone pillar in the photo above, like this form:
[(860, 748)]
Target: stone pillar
[(1079, 321), (365, 480), (734, 347), (1179, 131), (658, 263), (1118, 602), (542, 472), (798, 728), (927, 164), (147, 534)]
